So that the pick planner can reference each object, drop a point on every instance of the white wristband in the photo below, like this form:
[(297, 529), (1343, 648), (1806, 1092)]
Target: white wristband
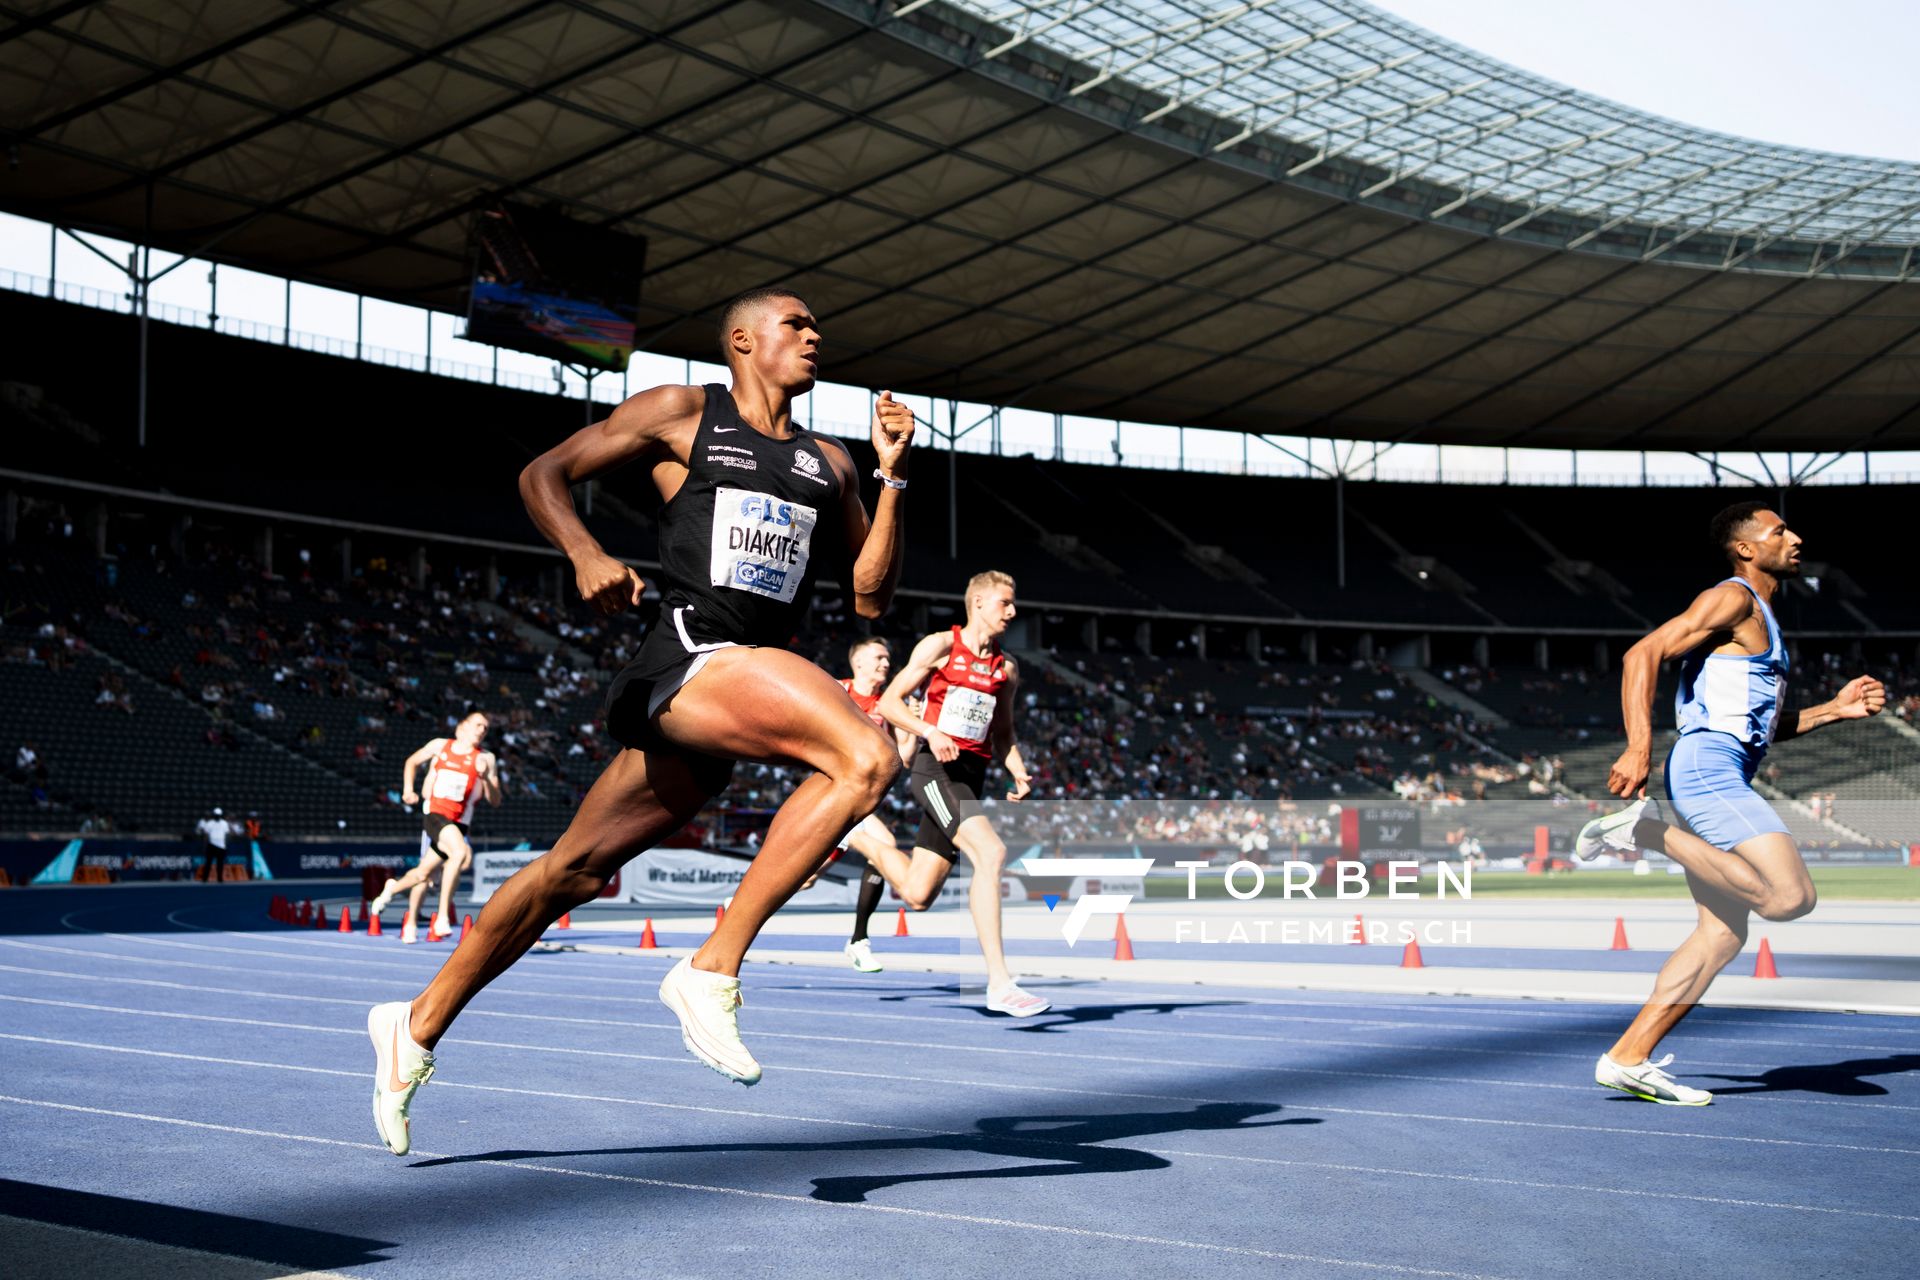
[(888, 480)]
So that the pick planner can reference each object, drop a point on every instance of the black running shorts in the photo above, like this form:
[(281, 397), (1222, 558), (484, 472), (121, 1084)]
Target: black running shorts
[(948, 794), (434, 825), (643, 687)]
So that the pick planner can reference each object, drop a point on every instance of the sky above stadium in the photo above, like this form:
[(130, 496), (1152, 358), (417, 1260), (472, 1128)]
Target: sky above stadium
[(1836, 76)]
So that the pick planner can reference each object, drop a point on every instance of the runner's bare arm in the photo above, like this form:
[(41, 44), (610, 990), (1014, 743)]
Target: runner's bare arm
[(878, 546), (926, 658), (641, 427), (490, 777), (1000, 738), (407, 794), (1714, 610), (1859, 698)]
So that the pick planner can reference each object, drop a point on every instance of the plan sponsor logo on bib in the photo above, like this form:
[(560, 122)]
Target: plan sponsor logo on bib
[(760, 543), (966, 713)]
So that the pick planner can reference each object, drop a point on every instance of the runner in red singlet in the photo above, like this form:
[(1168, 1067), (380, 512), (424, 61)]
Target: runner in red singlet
[(966, 724), (871, 661), (460, 774)]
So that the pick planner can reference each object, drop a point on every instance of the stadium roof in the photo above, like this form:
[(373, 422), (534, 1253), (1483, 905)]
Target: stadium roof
[(1300, 218)]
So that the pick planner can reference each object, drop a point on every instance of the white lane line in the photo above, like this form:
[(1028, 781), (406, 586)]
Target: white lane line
[(919, 1019), (1485, 1006), (1693, 1037), (1129, 1060), (1036, 1141), (306, 944), (204, 1061), (744, 1192), (1335, 1072), (1482, 1005), (1028, 1140), (1200, 1007), (1311, 1106)]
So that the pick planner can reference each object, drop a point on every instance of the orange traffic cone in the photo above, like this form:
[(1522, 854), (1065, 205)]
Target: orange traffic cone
[(1763, 963), (1359, 932), (647, 942), (1619, 935), (306, 911), (346, 920), (373, 926), (1122, 944), (466, 927), (1410, 958), (900, 925), (566, 920), (363, 913)]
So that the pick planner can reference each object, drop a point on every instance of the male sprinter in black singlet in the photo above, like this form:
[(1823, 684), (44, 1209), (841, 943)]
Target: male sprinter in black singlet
[(753, 505)]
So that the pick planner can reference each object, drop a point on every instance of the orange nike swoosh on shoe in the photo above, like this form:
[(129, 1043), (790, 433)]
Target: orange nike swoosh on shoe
[(393, 1063)]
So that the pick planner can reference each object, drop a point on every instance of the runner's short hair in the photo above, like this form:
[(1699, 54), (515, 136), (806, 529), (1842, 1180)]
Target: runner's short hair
[(1730, 525), (987, 578), (738, 306), (864, 642)]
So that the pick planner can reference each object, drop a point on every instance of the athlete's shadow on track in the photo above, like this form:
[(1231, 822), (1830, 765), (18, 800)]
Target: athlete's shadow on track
[(1057, 1018), (1072, 1144), (1842, 1079), (1062, 1019)]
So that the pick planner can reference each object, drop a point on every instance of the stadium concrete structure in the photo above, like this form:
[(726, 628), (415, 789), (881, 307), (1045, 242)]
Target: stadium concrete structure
[(1310, 218), (1289, 219)]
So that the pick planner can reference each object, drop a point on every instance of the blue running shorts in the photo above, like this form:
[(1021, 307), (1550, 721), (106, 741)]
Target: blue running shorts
[(1710, 786)]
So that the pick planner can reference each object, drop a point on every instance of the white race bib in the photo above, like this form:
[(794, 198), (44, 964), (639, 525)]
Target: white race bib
[(966, 713), (449, 785), (760, 543)]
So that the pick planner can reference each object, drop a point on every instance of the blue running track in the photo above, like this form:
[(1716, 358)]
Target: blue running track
[(179, 1070)]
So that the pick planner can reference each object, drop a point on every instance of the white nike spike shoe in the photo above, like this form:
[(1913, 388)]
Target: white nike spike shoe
[(1647, 1080), (707, 1005), (1614, 832), (400, 1067)]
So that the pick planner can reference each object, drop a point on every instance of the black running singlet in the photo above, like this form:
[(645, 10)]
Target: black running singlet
[(753, 524)]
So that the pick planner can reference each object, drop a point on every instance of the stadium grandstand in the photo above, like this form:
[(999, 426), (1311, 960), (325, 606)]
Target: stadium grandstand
[(1177, 290)]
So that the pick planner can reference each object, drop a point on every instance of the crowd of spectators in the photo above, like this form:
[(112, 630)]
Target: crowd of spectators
[(1234, 753)]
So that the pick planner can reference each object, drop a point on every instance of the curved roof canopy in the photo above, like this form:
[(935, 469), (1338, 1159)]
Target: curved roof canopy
[(1345, 80), (1303, 217)]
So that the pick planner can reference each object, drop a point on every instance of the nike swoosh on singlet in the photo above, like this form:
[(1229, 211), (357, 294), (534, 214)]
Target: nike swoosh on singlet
[(721, 431)]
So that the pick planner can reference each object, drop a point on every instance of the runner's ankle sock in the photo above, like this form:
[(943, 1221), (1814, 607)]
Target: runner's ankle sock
[(871, 887)]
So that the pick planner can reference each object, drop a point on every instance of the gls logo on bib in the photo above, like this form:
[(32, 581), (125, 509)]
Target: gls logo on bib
[(760, 544)]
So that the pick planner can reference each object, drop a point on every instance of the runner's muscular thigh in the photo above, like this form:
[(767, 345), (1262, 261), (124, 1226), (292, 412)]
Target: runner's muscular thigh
[(1775, 856), (768, 704)]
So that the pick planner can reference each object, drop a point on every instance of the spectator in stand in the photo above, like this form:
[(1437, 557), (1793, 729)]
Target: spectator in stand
[(27, 764)]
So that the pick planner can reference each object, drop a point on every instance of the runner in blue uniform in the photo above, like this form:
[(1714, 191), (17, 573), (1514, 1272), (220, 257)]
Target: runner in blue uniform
[(1730, 706)]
